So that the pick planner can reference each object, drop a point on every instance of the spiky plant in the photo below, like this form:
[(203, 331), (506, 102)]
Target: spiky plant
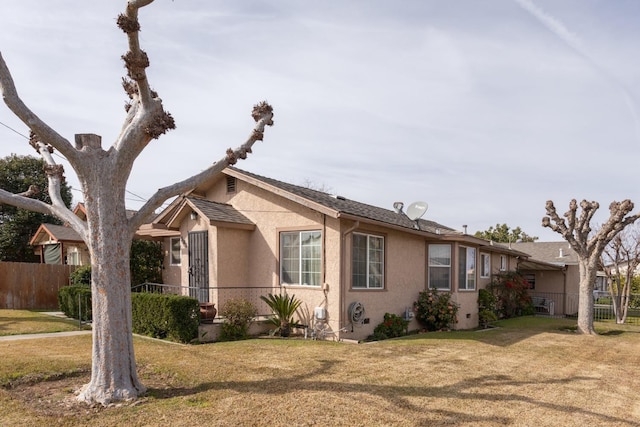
[(283, 307)]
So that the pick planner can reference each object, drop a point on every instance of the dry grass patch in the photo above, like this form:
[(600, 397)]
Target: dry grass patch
[(528, 372)]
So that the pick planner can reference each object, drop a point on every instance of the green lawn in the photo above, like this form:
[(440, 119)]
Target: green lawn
[(529, 371)]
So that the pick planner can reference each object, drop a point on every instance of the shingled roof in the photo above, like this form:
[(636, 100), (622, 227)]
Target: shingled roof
[(559, 253), (218, 212), (58, 233), (343, 206)]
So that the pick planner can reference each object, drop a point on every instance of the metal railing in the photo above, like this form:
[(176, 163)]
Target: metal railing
[(567, 305), (217, 295)]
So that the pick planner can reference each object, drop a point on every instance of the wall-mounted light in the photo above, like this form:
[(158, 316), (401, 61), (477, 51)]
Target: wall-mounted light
[(194, 215)]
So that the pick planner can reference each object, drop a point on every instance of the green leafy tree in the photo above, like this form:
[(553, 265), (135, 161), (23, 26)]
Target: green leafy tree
[(146, 262), (24, 175), (502, 233)]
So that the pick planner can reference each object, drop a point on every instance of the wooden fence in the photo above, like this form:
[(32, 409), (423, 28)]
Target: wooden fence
[(27, 286)]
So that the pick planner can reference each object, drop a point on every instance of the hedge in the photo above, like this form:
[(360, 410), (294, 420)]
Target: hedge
[(73, 298), (165, 316), (173, 317)]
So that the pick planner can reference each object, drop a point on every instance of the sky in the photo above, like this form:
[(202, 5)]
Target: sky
[(482, 109)]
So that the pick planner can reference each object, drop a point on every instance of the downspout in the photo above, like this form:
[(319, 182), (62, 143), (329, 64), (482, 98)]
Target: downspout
[(343, 278)]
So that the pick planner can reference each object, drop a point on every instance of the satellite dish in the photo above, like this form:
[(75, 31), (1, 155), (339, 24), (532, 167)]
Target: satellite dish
[(416, 210)]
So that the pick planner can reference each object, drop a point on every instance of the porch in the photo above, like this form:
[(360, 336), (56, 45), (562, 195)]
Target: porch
[(566, 305)]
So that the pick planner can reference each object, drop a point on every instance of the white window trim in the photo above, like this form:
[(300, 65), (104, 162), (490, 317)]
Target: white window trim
[(300, 259)]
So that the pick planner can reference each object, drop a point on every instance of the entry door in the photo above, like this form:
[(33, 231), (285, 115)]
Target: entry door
[(199, 265)]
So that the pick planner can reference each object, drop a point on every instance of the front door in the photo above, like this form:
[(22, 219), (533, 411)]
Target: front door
[(199, 265)]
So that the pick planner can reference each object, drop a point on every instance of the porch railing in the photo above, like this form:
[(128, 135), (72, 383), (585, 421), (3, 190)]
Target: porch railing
[(567, 305), (217, 295)]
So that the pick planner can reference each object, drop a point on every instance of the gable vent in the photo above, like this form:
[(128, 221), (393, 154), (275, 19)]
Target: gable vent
[(231, 184)]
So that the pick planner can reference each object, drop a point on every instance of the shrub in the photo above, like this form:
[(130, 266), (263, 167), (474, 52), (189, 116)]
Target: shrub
[(486, 307), (238, 315), (146, 262), (393, 326), (511, 292), (174, 317), (75, 301), (81, 276), (283, 307), (435, 311)]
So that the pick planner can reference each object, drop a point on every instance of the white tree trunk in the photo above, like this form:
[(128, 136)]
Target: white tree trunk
[(588, 272), (113, 372)]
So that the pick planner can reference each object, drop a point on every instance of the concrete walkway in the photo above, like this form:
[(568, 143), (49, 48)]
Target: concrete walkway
[(47, 335)]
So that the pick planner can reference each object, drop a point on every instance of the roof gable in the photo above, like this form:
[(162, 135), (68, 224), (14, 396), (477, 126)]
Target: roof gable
[(338, 206), (54, 233)]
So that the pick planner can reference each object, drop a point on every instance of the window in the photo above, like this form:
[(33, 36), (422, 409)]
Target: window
[(175, 255), (503, 263), (466, 268), (530, 279), (300, 258), (368, 261), (73, 256), (439, 266), (485, 265)]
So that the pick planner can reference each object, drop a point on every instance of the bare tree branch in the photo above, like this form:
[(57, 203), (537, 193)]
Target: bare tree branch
[(262, 113), (28, 117)]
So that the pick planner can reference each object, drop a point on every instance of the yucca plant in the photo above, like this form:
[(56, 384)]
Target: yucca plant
[(283, 307)]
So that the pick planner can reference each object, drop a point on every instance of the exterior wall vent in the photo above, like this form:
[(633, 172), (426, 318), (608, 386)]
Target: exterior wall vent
[(231, 184)]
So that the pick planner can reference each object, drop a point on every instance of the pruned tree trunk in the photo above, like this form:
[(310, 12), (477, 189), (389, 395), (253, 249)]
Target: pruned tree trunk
[(588, 272), (588, 246), (108, 232)]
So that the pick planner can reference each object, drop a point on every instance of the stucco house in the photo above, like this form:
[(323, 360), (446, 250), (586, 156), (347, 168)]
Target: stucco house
[(241, 231)]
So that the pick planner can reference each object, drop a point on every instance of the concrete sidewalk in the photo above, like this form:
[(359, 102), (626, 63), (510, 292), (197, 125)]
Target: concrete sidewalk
[(46, 335), (36, 336)]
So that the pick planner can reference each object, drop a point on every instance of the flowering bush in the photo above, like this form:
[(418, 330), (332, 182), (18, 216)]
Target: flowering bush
[(511, 292), (435, 311), (393, 326)]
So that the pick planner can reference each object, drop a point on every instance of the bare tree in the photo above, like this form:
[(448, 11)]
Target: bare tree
[(588, 246), (108, 232), (620, 261)]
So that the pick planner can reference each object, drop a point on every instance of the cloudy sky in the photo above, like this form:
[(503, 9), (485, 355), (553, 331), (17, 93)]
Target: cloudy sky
[(483, 109)]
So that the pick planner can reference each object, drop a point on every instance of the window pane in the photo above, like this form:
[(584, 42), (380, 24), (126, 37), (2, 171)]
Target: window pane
[(440, 266), (368, 261), (439, 277), (301, 258), (359, 263), (175, 251), (471, 268), (440, 255)]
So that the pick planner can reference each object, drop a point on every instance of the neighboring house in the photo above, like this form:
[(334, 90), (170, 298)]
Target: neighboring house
[(241, 230), (60, 244)]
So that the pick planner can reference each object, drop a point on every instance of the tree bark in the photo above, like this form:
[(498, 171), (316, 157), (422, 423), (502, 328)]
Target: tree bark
[(588, 272), (113, 371)]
